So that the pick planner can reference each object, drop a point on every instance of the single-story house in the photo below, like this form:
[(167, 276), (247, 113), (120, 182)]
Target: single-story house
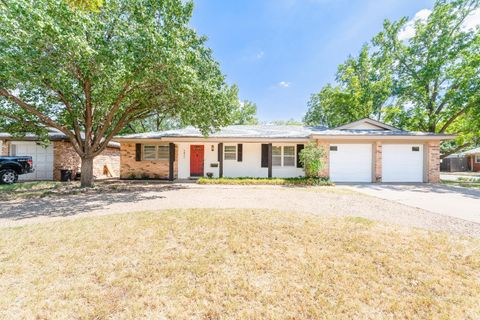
[(58, 154), (473, 159), (362, 151)]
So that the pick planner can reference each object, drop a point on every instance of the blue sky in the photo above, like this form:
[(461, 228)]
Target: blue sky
[(279, 52)]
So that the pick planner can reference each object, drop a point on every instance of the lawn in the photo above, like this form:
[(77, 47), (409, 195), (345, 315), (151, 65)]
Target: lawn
[(243, 264), (467, 182), (299, 181)]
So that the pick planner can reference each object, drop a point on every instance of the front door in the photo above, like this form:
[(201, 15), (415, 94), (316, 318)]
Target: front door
[(196, 161)]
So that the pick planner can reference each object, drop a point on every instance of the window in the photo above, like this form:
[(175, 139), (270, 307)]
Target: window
[(333, 148), (289, 156), (415, 148), (277, 156), (230, 153), (477, 158), (156, 152)]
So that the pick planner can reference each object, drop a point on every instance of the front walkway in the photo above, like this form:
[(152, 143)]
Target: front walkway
[(458, 202), (334, 201)]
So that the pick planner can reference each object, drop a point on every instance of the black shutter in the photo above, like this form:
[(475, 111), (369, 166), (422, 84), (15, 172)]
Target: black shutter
[(138, 151), (171, 162), (220, 159), (264, 155), (239, 152), (299, 148)]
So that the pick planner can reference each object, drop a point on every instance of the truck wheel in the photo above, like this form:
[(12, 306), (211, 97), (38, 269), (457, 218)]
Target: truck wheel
[(8, 176)]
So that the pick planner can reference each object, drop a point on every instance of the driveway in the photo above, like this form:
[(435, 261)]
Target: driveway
[(331, 201), (457, 202)]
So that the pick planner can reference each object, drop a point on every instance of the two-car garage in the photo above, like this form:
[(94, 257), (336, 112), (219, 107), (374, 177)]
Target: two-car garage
[(354, 162)]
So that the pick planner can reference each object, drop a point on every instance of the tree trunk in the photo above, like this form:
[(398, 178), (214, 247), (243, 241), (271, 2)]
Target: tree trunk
[(86, 177)]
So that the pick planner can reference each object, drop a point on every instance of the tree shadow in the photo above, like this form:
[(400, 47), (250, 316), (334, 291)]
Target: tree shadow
[(71, 205)]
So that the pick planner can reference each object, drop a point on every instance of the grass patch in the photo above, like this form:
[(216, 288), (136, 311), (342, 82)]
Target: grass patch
[(244, 264), (300, 181), (464, 182)]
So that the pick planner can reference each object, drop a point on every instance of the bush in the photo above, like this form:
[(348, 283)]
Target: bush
[(300, 181), (311, 157)]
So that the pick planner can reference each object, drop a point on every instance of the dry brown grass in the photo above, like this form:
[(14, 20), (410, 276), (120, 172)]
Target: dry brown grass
[(242, 264)]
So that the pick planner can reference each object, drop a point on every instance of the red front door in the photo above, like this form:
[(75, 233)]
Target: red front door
[(196, 160)]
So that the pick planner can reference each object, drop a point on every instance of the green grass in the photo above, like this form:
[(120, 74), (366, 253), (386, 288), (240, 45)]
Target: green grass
[(29, 186), (464, 182), (300, 181), (235, 264)]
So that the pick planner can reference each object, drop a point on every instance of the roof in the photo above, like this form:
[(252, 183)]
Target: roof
[(374, 129), (53, 135), (470, 152)]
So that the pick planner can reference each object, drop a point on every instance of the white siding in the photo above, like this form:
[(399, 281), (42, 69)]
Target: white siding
[(251, 164), (184, 159)]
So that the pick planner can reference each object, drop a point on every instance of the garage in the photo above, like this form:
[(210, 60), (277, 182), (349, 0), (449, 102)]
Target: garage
[(402, 163), (42, 159), (351, 162)]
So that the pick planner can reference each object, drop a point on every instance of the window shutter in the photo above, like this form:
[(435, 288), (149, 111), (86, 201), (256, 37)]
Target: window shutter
[(299, 148), (240, 152), (138, 151), (264, 155)]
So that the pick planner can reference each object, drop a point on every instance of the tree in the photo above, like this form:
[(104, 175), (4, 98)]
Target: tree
[(436, 72), (364, 86), (90, 73), (311, 158), (245, 113)]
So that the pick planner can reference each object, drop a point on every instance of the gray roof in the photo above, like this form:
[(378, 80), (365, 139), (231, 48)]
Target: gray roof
[(53, 135), (471, 151), (271, 131)]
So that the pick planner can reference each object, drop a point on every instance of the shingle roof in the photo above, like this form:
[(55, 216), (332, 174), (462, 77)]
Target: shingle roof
[(273, 132), (471, 151)]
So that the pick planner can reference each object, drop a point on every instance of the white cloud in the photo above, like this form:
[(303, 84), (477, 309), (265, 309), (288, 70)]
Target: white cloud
[(260, 55), (408, 31), (284, 84)]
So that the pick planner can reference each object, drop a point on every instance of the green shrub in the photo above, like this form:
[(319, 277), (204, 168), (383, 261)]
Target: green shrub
[(311, 157), (300, 181)]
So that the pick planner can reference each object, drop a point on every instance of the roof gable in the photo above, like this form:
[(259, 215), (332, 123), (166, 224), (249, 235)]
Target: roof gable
[(367, 124)]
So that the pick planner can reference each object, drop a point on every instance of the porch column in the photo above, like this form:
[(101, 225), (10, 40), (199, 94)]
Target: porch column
[(269, 160), (220, 160), (171, 162)]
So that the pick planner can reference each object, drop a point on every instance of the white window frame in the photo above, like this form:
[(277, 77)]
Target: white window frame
[(230, 153), (477, 158), (156, 153), (282, 156)]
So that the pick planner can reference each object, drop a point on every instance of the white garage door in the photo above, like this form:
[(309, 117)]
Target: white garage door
[(351, 162), (402, 163), (42, 159)]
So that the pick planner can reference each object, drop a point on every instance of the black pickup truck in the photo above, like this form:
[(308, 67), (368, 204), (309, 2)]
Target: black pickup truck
[(11, 167)]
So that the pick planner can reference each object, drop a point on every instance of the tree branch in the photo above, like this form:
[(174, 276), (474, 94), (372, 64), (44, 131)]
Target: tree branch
[(453, 118)]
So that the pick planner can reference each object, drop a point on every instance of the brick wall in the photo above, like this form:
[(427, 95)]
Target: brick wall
[(433, 161), (377, 150), (130, 168), (325, 172), (106, 165), (4, 147), (472, 164)]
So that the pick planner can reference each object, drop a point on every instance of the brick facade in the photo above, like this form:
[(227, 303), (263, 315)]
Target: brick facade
[(377, 158), (325, 172), (106, 165), (4, 146), (433, 161), (151, 169), (472, 164)]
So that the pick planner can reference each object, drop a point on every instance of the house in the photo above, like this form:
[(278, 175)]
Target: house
[(362, 151), (56, 155), (473, 159)]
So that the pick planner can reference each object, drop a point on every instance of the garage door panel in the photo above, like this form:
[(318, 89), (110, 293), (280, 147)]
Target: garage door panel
[(402, 163), (42, 159), (351, 162)]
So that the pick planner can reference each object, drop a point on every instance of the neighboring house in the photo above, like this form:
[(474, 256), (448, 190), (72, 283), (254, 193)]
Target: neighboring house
[(362, 151), (473, 159), (465, 161), (58, 154)]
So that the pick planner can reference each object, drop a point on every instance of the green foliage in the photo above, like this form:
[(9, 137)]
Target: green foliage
[(300, 181), (364, 85), (90, 73), (245, 113), (312, 159), (429, 82), (92, 5)]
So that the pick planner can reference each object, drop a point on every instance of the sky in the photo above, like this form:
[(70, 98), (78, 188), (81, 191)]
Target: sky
[(279, 52)]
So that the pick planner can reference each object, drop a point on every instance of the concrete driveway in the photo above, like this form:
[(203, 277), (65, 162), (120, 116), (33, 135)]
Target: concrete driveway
[(457, 202)]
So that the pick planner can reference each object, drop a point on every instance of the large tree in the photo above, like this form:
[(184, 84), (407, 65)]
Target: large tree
[(434, 77), (88, 73)]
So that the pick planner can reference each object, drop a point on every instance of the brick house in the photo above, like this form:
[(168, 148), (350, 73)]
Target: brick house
[(58, 154), (361, 151)]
